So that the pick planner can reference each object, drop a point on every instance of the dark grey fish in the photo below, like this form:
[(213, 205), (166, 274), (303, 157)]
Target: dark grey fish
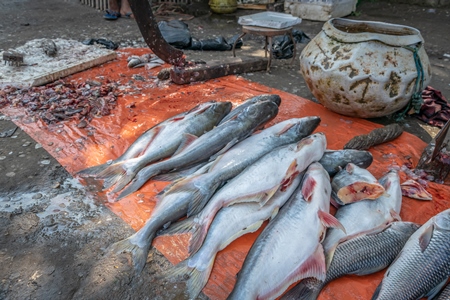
[(423, 266), (260, 98), (217, 140), (364, 254), (334, 160)]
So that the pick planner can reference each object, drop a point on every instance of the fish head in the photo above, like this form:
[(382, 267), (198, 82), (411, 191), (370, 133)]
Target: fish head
[(267, 97), (442, 220), (221, 109), (259, 113), (318, 138), (361, 158), (303, 126)]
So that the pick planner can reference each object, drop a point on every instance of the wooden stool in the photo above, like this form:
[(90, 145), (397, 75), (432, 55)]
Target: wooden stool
[(268, 33)]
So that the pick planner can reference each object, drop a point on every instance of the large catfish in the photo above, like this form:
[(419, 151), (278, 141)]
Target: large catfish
[(289, 248), (162, 140), (240, 156), (229, 223), (257, 183), (201, 149)]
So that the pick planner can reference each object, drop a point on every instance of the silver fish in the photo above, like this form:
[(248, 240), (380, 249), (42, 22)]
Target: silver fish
[(221, 138), (423, 266), (257, 183), (334, 160), (366, 214), (260, 98), (162, 140), (229, 223), (353, 184), (277, 259), (445, 294), (240, 156), (362, 255)]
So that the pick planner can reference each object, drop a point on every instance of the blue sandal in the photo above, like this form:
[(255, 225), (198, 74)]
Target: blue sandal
[(111, 15)]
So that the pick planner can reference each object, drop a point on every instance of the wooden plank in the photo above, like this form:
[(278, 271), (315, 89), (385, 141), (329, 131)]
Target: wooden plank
[(252, 6)]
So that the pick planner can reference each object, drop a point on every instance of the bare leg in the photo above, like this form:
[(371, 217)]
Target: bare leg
[(114, 5), (125, 9)]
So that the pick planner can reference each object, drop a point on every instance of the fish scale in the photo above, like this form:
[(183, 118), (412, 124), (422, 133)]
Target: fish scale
[(414, 274), (369, 253)]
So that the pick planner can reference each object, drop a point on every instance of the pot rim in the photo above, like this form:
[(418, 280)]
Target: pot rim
[(397, 35)]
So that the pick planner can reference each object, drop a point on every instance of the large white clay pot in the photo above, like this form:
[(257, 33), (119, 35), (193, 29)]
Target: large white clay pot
[(364, 69)]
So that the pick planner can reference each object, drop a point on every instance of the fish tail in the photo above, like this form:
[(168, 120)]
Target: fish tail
[(139, 180), (307, 289), (196, 279), (138, 250), (111, 175), (190, 225), (93, 171)]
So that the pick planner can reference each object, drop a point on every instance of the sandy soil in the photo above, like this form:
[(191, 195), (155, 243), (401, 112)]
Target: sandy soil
[(53, 236)]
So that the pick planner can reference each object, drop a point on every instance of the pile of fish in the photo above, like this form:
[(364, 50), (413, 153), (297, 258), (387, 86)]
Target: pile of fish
[(230, 175)]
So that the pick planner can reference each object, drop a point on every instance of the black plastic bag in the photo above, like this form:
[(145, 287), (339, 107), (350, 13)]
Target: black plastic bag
[(176, 33), (282, 46), (217, 44)]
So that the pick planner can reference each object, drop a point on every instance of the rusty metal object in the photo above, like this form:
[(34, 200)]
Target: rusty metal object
[(435, 158), (375, 137), (215, 69), (13, 58), (365, 69), (148, 26)]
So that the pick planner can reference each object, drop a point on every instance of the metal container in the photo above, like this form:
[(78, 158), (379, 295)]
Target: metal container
[(365, 69)]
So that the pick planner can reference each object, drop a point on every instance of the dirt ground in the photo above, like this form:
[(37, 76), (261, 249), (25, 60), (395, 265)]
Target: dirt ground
[(53, 236)]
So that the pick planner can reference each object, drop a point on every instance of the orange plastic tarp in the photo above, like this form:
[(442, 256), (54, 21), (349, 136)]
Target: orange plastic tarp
[(146, 103)]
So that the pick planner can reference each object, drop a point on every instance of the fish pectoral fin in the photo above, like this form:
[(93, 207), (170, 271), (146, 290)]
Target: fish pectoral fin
[(187, 140), (425, 237), (308, 185), (333, 200), (329, 220), (314, 266), (224, 149), (289, 177), (350, 168), (284, 129), (434, 291), (395, 215), (274, 213)]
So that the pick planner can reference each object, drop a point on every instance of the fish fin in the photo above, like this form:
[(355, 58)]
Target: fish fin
[(308, 185), (330, 254), (350, 168), (289, 177), (329, 220), (186, 141), (173, 176), (139, 180), (224, 149), (138, 252), (314, 266), (196, 279), (274, 213), (261, 197), (180, 227), (199, 232), (200, 197), (333, 199), (307, 289), (377, 291), (434, 291), (284, 129), (92, 171), (112, 174), (425, 238), (395, 215)]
